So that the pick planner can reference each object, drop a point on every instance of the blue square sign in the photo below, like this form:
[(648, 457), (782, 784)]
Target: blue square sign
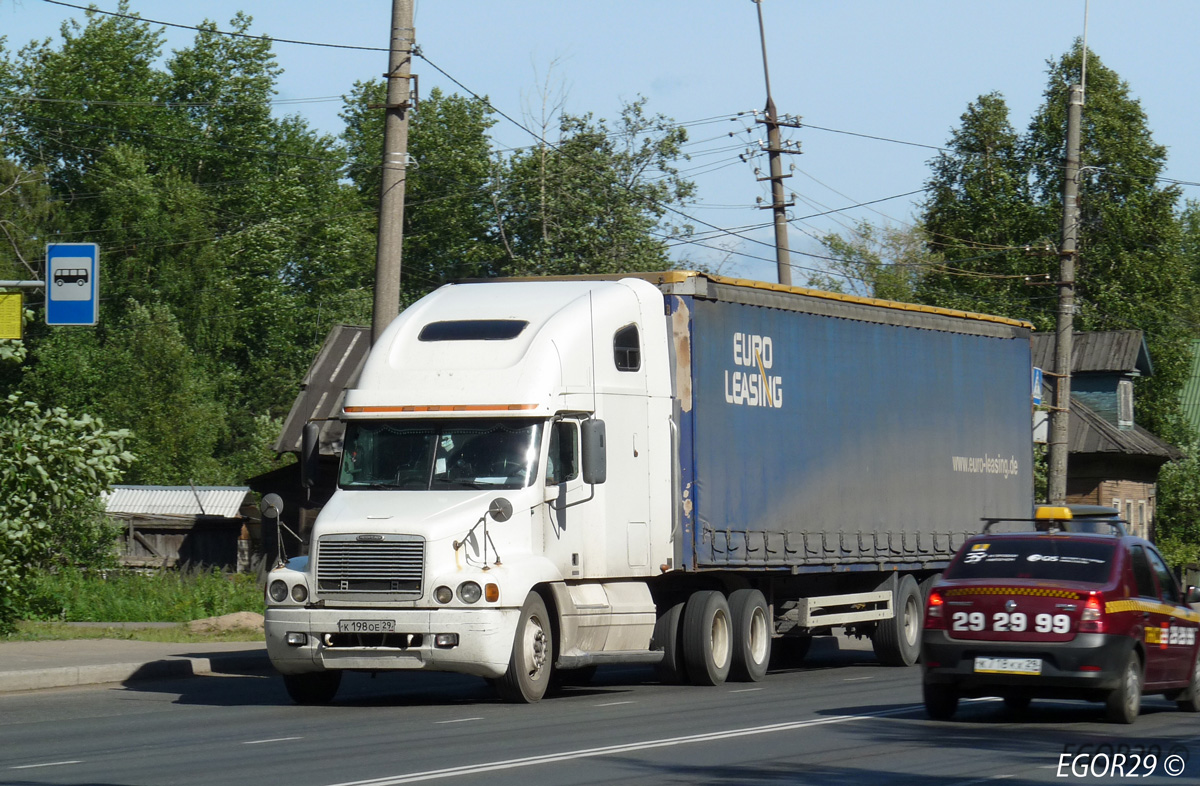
[(72, 283)]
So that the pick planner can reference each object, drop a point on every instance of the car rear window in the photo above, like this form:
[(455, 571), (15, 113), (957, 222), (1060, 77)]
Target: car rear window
[(1053, 559)]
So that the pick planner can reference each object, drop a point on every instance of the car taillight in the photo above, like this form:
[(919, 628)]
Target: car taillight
[(933, 611), (1092, 618)]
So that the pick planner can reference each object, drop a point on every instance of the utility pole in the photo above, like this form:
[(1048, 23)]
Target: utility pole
[(775, 149), (394, 170), (1060, 415)]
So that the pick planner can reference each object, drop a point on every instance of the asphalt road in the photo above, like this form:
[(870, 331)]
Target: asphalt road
[(841, 719)]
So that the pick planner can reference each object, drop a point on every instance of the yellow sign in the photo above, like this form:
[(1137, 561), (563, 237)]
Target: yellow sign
[(11, 306)]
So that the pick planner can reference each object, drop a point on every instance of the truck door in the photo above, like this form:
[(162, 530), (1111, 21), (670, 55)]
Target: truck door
[(573, 518)]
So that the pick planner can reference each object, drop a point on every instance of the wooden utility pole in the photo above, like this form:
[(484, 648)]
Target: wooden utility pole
[(394, 170), (775, 149), (1060, 415)]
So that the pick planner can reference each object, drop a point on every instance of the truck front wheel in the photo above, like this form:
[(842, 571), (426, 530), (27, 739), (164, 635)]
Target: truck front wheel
[(751, 635), (529, 666), (707, 638), (314, 688)]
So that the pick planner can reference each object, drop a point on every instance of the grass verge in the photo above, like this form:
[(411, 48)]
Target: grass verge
[(177, 634)]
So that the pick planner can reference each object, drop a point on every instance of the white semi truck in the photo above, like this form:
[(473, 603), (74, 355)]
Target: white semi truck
[(542, 476)]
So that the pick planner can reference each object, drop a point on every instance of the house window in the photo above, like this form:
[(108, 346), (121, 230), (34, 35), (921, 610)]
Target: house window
[(1125, 403), (1141, 522), (627, 351)]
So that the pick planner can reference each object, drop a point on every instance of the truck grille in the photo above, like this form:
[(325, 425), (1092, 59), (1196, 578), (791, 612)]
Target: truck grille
[(370, 565)]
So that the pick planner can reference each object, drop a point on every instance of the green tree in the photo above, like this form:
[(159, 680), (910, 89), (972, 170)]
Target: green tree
[(979, 215), (995, 194), (53, 468), (599, 200), (876, 261), (449, 215)]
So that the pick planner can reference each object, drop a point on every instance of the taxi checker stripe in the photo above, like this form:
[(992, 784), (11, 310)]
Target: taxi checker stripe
[(1042, 593), (1115, 606)]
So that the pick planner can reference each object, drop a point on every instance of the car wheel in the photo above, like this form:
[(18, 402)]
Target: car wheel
[(941, 701), (529, 666), (313, 688), (751, 635), (1125, 701), (1189, 700)]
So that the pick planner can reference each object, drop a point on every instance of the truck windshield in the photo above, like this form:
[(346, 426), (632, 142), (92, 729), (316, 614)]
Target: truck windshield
[(477, 453)]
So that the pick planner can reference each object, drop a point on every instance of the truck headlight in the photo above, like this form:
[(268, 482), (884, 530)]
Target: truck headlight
[(278, 590), (299, 593), (469, 592), (443, 594)]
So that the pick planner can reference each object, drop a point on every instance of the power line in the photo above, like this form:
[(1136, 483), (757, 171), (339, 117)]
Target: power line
[(93, 9)]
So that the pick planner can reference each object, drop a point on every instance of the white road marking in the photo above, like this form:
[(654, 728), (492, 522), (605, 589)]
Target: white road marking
[(613, 704), (47, 764), (857, 679), (460, 720), (745, 690), (274, 739), (585, 753)]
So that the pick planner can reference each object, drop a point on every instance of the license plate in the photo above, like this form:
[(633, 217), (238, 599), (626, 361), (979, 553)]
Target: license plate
[(366, 626), (1008, 665)]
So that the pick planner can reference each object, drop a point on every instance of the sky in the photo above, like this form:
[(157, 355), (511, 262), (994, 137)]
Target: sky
[(879, 85)]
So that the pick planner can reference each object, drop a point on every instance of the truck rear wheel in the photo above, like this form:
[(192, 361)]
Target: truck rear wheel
[(666, 638), (897, 641), (751, 635), (707, 638), (529, 666), (317, 687)]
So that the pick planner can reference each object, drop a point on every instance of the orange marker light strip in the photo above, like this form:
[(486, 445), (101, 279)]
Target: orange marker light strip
[(441, 408)]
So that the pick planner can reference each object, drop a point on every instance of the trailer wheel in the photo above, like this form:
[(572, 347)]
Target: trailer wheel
[(751, 635), (529, 666), (666, 637), (707, 638), (897, 642), (317, 687)]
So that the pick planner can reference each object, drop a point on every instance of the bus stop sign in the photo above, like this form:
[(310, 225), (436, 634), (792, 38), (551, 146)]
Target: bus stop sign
[(72, 283)]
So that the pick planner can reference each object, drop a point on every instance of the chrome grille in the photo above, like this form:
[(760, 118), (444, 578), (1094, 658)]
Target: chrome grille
[(371, 565)]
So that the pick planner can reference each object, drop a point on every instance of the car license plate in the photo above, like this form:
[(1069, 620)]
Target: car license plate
[(366, 626), (1008, 665)]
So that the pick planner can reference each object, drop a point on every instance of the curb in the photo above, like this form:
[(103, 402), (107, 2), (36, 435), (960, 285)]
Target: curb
[(167, 668)]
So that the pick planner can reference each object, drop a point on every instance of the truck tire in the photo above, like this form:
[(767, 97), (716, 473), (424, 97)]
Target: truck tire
[(707, 638), (751, 635), (530, 664), (1124, 702), (670, 669), (318, 687), (897, 642)]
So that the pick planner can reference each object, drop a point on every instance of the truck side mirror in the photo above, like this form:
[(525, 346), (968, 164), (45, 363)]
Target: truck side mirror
[(595, 455), (310, 455), (1193, 595)]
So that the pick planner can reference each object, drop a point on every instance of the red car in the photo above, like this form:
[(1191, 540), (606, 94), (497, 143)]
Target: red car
[(1070, 608)]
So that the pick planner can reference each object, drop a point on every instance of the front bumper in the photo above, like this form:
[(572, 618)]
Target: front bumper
[(485, 640), (951, 662)]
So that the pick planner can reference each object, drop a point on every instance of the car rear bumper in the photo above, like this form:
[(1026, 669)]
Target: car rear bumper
[(1085, 667)]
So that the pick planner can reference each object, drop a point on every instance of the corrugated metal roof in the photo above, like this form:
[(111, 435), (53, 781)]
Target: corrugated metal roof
[(223, 501), (1191, 391), (1121, 351), (1090, 433), (335, 368)]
